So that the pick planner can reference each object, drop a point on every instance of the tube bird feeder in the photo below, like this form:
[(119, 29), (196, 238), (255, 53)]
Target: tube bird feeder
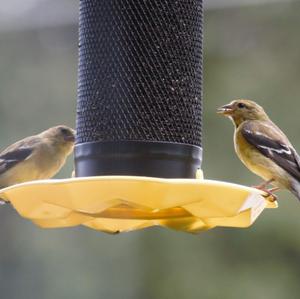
[(139, 113)]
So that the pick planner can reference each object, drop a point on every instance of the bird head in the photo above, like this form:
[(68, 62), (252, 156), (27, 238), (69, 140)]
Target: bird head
[(62, 136), (242, 110)]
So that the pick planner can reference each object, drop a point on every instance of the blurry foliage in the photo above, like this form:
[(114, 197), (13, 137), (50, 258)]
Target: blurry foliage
[(250, 52)]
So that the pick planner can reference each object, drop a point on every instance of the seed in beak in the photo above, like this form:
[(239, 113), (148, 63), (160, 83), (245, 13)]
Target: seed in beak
[(226, 109)]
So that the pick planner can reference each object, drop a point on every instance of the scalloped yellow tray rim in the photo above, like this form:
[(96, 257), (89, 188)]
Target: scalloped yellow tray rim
[(124, 203)]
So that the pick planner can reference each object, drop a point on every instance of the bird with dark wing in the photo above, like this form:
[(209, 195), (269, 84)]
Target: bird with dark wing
[(263, 147), (36, 157)]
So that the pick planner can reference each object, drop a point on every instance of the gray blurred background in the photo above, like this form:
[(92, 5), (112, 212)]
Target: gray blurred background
[(252, 49)]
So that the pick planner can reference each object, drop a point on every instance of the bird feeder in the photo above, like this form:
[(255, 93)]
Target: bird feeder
[(138, 146)]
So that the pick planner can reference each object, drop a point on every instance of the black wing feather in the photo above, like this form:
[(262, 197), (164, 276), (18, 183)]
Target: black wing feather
[(11, 158), (282, 154)]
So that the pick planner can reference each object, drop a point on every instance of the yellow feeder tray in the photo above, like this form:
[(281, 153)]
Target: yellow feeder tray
[(124, 203)]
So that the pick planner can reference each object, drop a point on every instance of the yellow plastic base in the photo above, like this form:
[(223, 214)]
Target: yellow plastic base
[(124, 203)]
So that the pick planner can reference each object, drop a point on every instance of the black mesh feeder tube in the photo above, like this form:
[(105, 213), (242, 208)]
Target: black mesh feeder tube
[(140, 88)]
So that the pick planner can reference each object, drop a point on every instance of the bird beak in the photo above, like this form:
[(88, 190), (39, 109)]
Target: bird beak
[(69, 138), (225, 110)]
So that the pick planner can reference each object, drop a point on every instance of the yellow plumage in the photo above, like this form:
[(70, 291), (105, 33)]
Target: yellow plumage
[(36, 157), (263, 147), (258, 163)]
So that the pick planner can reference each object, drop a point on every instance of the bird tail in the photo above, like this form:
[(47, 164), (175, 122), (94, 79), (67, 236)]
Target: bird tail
[(295, 188)]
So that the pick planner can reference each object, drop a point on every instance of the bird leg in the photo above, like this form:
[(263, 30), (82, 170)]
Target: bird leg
[(263, 185), (274, 189)]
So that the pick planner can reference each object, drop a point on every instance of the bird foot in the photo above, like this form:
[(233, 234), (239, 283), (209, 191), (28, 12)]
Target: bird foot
[(270, 196), (3, 202)]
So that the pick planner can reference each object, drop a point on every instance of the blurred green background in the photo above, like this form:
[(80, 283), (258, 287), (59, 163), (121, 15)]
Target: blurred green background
[(251, 51)]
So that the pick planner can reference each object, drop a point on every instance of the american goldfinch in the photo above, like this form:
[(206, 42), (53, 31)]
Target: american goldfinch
[(263, 147), (36, 157)]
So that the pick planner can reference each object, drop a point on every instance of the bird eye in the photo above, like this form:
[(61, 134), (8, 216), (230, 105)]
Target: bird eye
[(64, 131), (241, 105)]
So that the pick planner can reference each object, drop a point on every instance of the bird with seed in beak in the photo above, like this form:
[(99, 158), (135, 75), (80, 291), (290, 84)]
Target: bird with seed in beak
[(263, 147)]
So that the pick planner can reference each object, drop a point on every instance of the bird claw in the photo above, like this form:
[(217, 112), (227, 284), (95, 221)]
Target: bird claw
[(270, 197), (3, 202)]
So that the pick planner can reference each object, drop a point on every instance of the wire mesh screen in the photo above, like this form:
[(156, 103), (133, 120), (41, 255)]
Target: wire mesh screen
[(140, 71)]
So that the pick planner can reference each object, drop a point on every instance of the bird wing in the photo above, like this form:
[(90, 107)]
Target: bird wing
[(17, 153), (270, 141)]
